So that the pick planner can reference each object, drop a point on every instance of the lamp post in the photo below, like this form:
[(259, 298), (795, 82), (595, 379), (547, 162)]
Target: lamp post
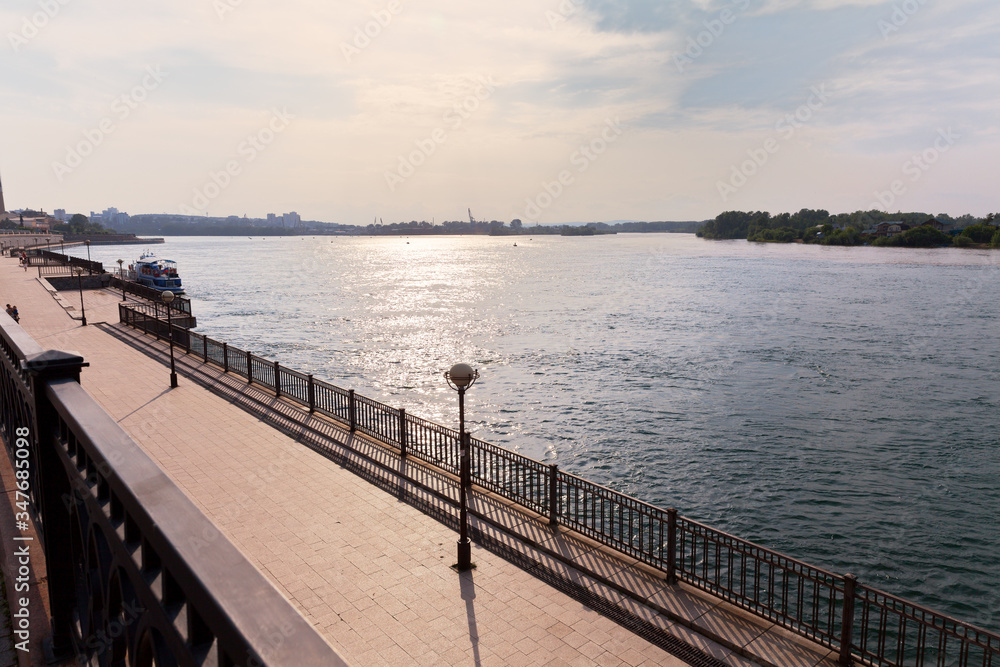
[(168, 297), (121, 277), (87, 243), (79, 283), (460, 378)]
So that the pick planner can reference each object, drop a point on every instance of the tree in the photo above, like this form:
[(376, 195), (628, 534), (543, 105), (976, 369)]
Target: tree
[(923, 236), (979, 233)]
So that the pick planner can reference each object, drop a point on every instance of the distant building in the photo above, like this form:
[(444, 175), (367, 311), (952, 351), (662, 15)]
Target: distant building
[(272, 220), (2, 205), (937, 224), (292, 220), (60, 214), (888, 229)]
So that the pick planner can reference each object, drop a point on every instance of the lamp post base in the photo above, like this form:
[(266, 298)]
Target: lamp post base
[(173, 379), (464, 556)]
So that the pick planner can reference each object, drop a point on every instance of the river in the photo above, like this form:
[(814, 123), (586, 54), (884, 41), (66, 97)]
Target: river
[(837, 404)]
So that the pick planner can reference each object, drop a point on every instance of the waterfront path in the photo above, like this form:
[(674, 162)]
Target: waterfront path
[(362, 543)]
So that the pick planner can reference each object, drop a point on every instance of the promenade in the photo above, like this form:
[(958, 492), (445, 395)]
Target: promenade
[(362, 542)]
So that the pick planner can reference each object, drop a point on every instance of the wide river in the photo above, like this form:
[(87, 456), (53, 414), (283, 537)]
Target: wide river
[(840, 405)]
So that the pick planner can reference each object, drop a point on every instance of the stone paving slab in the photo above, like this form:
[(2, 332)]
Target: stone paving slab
[(370, 571)]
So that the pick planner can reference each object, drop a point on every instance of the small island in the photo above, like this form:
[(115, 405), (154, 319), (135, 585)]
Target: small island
[(877, 228)]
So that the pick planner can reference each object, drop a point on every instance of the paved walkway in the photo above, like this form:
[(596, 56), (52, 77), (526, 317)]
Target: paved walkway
[(365, 553)]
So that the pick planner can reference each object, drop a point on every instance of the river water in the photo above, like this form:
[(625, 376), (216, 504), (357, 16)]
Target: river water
[(837, 404)]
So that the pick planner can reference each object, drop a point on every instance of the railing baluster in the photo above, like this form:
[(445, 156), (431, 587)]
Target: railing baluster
[(553, 494)]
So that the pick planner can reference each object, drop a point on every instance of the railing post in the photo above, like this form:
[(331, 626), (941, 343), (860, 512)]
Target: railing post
[(277, 380), (49, 368), (225, 357), (187, 341), (312, 394), (671, 545), (402, 433), (847, 622), (553, 494), (204, 348), (351, 415), (249, 368)]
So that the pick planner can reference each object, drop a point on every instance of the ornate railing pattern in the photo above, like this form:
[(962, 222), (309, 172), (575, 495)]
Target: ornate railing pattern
[(863, 624), (137, 575)]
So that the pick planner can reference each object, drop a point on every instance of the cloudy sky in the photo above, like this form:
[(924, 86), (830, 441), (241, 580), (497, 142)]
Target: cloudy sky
[(547, 110)]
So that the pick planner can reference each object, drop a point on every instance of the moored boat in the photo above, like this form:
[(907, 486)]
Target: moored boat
[(155, 272)]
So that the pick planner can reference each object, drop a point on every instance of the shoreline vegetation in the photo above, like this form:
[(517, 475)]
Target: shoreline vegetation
[(876, 228), (815, 226), (178, 225)]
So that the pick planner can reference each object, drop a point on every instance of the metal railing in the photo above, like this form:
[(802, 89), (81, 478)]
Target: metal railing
[(137, 575), (863, 624), (179, 304), (39, 256)]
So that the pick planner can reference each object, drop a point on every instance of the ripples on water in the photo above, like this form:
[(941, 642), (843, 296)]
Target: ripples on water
[(839, 405)]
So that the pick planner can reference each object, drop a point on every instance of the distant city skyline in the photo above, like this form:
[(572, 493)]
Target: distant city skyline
[(565, 111)]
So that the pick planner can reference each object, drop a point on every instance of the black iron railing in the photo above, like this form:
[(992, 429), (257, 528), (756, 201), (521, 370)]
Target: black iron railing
[(39, 256), (863, 624), (179, 304), (137, 575)]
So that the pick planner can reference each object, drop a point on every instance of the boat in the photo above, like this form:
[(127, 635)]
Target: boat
[(160, 274)]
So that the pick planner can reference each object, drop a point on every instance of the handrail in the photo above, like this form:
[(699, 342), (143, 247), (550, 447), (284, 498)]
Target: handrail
[(137, 574), (865, 625)]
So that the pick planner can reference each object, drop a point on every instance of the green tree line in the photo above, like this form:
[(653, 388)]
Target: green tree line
[(818, 226)]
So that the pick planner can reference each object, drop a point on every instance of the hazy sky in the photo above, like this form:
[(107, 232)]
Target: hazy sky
[(553, 111)]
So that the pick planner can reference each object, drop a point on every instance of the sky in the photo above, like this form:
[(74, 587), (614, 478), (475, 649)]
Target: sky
[(544, 110)]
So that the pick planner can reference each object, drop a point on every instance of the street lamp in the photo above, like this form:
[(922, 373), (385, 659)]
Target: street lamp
[(121, 277), (168, 297), (460, 378), (79, 283), (87, 243)]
